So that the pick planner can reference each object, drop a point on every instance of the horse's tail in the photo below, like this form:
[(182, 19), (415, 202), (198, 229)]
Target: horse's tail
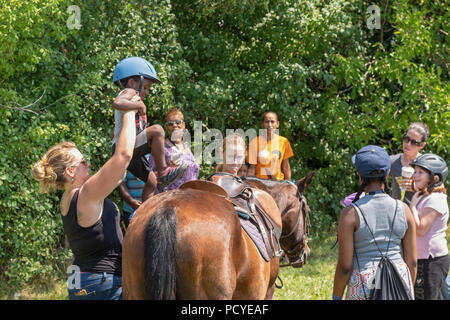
[(160, 243)]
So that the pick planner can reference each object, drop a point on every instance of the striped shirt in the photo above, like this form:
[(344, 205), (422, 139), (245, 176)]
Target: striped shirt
[(135, 187)]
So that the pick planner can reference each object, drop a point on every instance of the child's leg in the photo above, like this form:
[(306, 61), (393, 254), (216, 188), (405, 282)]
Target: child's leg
[(149, 186), (155, 140), (165, 175)]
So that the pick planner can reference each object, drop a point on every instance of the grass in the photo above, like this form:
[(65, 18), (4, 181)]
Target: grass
[(44, 289), (57, 291), (314, 281)]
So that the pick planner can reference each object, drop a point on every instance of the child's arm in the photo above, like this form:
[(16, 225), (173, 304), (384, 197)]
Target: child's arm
[(129, 101), (251, 171), (127, 197), (286, 169)]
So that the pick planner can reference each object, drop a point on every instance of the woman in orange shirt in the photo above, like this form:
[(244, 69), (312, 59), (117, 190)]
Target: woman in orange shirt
[(269, 154)]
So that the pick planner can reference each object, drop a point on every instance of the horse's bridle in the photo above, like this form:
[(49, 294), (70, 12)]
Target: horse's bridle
[(298, 251)]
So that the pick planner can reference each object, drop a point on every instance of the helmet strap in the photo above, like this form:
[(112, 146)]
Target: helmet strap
[(141, 83)]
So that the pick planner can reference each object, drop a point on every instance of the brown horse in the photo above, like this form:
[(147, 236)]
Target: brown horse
[(295, 214), (189, 244)]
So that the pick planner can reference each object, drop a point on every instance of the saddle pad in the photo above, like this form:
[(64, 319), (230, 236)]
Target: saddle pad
[(256, 236)]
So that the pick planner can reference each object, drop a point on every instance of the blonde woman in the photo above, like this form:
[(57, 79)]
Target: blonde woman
[(233, 154), (90, 219)]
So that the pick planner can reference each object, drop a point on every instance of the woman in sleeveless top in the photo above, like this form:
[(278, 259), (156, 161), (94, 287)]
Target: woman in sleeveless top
[(176, 151), (356, 272), (413, 141), (90, 220)]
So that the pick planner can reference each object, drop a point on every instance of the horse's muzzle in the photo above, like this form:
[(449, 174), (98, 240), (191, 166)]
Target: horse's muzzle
[(299, 261)]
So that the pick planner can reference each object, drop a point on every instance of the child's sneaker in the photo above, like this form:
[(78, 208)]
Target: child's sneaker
[(170, 174)]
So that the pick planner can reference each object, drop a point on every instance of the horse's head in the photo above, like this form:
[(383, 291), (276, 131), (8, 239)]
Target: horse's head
[(294, 238), (294, 214)]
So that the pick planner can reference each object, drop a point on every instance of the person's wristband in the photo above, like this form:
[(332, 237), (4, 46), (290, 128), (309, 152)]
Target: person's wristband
[(336, 298)]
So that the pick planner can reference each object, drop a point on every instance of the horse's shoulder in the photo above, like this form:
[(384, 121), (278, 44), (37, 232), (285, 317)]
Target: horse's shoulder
[(269, 204), (263, 194)]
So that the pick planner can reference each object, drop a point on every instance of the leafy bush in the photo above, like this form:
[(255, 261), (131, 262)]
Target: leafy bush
[(72, 70), (335, 84)]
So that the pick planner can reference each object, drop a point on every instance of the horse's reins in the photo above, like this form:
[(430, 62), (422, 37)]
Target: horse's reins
[(305, 227)]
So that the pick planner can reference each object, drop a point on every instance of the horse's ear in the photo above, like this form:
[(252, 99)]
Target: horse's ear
[(304, 182)]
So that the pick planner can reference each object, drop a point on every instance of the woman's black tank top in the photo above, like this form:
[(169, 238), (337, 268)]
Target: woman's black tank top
[(97, 248)]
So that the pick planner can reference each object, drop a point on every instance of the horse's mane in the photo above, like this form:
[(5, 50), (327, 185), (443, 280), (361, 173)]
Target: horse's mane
[(266, 182)]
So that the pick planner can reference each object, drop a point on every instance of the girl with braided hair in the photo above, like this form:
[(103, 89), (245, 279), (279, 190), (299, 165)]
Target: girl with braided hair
[(366, 181), (372, 223)]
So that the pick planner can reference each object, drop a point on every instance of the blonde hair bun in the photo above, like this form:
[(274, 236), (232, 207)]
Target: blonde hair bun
[(49, 171)]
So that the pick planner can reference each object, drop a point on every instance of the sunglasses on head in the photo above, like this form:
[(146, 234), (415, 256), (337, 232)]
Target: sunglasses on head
[(414, 142), (171, 123)]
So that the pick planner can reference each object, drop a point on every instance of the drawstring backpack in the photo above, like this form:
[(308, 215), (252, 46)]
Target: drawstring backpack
[(387, 283)]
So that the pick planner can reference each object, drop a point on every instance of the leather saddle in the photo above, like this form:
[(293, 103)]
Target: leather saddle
[(254, 220)]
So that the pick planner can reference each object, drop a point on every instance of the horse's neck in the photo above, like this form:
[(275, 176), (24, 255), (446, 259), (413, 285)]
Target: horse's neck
[(278, 195), (275, 190)]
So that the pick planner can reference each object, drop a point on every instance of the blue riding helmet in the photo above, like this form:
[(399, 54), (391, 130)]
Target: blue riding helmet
[(135, 66)]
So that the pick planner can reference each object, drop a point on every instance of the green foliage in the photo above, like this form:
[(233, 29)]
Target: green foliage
[(72, 70), (335, 84)]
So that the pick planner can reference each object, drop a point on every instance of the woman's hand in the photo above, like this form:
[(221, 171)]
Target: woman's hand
[(405, 183), (128, 101), (141, 107)]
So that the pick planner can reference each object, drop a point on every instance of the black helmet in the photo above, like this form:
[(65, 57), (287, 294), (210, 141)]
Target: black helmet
[(433, 163)]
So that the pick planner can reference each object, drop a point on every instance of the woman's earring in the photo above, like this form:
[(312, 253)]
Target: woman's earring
[(73, 179)]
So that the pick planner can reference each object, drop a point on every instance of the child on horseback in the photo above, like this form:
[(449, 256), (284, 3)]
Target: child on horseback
[(135, 76)]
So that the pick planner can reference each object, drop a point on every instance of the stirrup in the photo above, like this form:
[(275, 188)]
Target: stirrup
[(278, 253)]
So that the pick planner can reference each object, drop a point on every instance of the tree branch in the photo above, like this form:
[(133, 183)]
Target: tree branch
[(345, 90), (27, 107)]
